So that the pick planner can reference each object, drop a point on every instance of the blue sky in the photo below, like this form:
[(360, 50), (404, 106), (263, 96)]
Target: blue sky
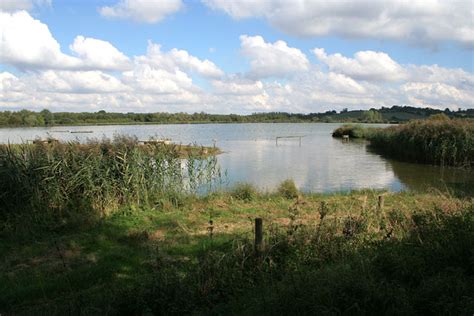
[(418, 53)]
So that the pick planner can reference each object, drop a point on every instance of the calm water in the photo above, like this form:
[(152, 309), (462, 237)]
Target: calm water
[(320, 164)]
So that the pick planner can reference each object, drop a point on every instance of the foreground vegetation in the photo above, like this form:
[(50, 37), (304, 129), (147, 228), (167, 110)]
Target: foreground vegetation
[(59, 181), (331, 254), (115, 227), (394, 114), (438, 140)]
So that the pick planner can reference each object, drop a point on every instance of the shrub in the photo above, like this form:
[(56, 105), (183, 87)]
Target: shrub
[(354, 131), (244, 191), (288, 189)]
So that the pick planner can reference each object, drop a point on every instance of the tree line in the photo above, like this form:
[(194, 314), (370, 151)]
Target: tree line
[(395, 114)]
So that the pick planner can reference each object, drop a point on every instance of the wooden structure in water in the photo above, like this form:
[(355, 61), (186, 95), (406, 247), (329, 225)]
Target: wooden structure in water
[(165, 141), (291, 136), (46, 141), (81, 132)]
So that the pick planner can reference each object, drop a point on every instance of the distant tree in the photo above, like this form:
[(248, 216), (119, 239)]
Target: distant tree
[(372, 116), (344, 110), (47, 116)]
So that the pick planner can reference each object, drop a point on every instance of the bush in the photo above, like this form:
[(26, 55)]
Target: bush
[(288, 189), (354, 131), (244, 191)]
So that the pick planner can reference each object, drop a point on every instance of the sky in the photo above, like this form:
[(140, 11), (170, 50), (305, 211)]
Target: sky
[(235, 56)]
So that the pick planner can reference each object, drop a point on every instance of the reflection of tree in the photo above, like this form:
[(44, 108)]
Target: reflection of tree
[(420, 177)]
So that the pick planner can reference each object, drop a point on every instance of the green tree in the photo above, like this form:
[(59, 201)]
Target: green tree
[(372, 116), (48, 117)]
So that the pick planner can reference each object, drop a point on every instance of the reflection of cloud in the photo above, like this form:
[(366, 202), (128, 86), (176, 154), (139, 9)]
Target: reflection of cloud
[(321, 164)]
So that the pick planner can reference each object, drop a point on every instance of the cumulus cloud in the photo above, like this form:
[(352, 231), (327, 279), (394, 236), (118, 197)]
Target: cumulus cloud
[(147, 11), (96, 75), (272, 59), (179, 59), (15, 5), (237, 86), (98, 54), (417, 21), (366, 65), (28, 44), (77, 82)]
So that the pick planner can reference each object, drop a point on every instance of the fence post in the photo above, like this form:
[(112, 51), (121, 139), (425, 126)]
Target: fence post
[(380, 204), (258, 235)]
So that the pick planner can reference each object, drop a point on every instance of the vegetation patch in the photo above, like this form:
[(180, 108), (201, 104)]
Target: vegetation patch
[(322, 253), (439, 140), (62, 182), (288, 189)]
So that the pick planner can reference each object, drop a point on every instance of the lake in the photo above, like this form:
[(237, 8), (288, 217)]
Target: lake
[(251, 154)]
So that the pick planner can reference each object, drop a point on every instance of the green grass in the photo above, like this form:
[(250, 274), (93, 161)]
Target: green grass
[(414, 256)]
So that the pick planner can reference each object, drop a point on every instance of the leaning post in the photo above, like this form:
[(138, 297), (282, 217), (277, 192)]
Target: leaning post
[(258, 235)]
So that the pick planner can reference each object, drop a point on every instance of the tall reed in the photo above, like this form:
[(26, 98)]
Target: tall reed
[(441, 142), (59, 180)]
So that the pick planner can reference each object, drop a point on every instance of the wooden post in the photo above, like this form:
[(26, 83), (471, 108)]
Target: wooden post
[(300, 141), (276, 141), (380, 204), (364, 202), (258, 235)]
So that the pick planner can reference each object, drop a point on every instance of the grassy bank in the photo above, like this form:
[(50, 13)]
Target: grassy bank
[(436, 141), (337, 253)]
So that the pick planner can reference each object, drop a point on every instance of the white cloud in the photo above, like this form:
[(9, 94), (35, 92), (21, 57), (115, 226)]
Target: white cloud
[(77, 82), (280, 78), (366, 65), (15, 5), (237, 86), (272, 60), (98, 54), (153, 80), (416, 21), (28, 44), (437, 94), (147, 11), (179, 59)]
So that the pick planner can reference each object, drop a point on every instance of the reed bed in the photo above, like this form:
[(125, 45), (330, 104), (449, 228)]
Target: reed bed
[(56, 182), (436, 141)]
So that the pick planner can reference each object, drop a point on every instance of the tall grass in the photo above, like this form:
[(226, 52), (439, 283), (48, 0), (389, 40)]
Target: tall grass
[(395, 263), (438, 140), (441, 142), (58, 181)]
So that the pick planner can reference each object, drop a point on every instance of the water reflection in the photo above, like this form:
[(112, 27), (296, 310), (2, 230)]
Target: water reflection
[(320, 164), (422, 177)]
